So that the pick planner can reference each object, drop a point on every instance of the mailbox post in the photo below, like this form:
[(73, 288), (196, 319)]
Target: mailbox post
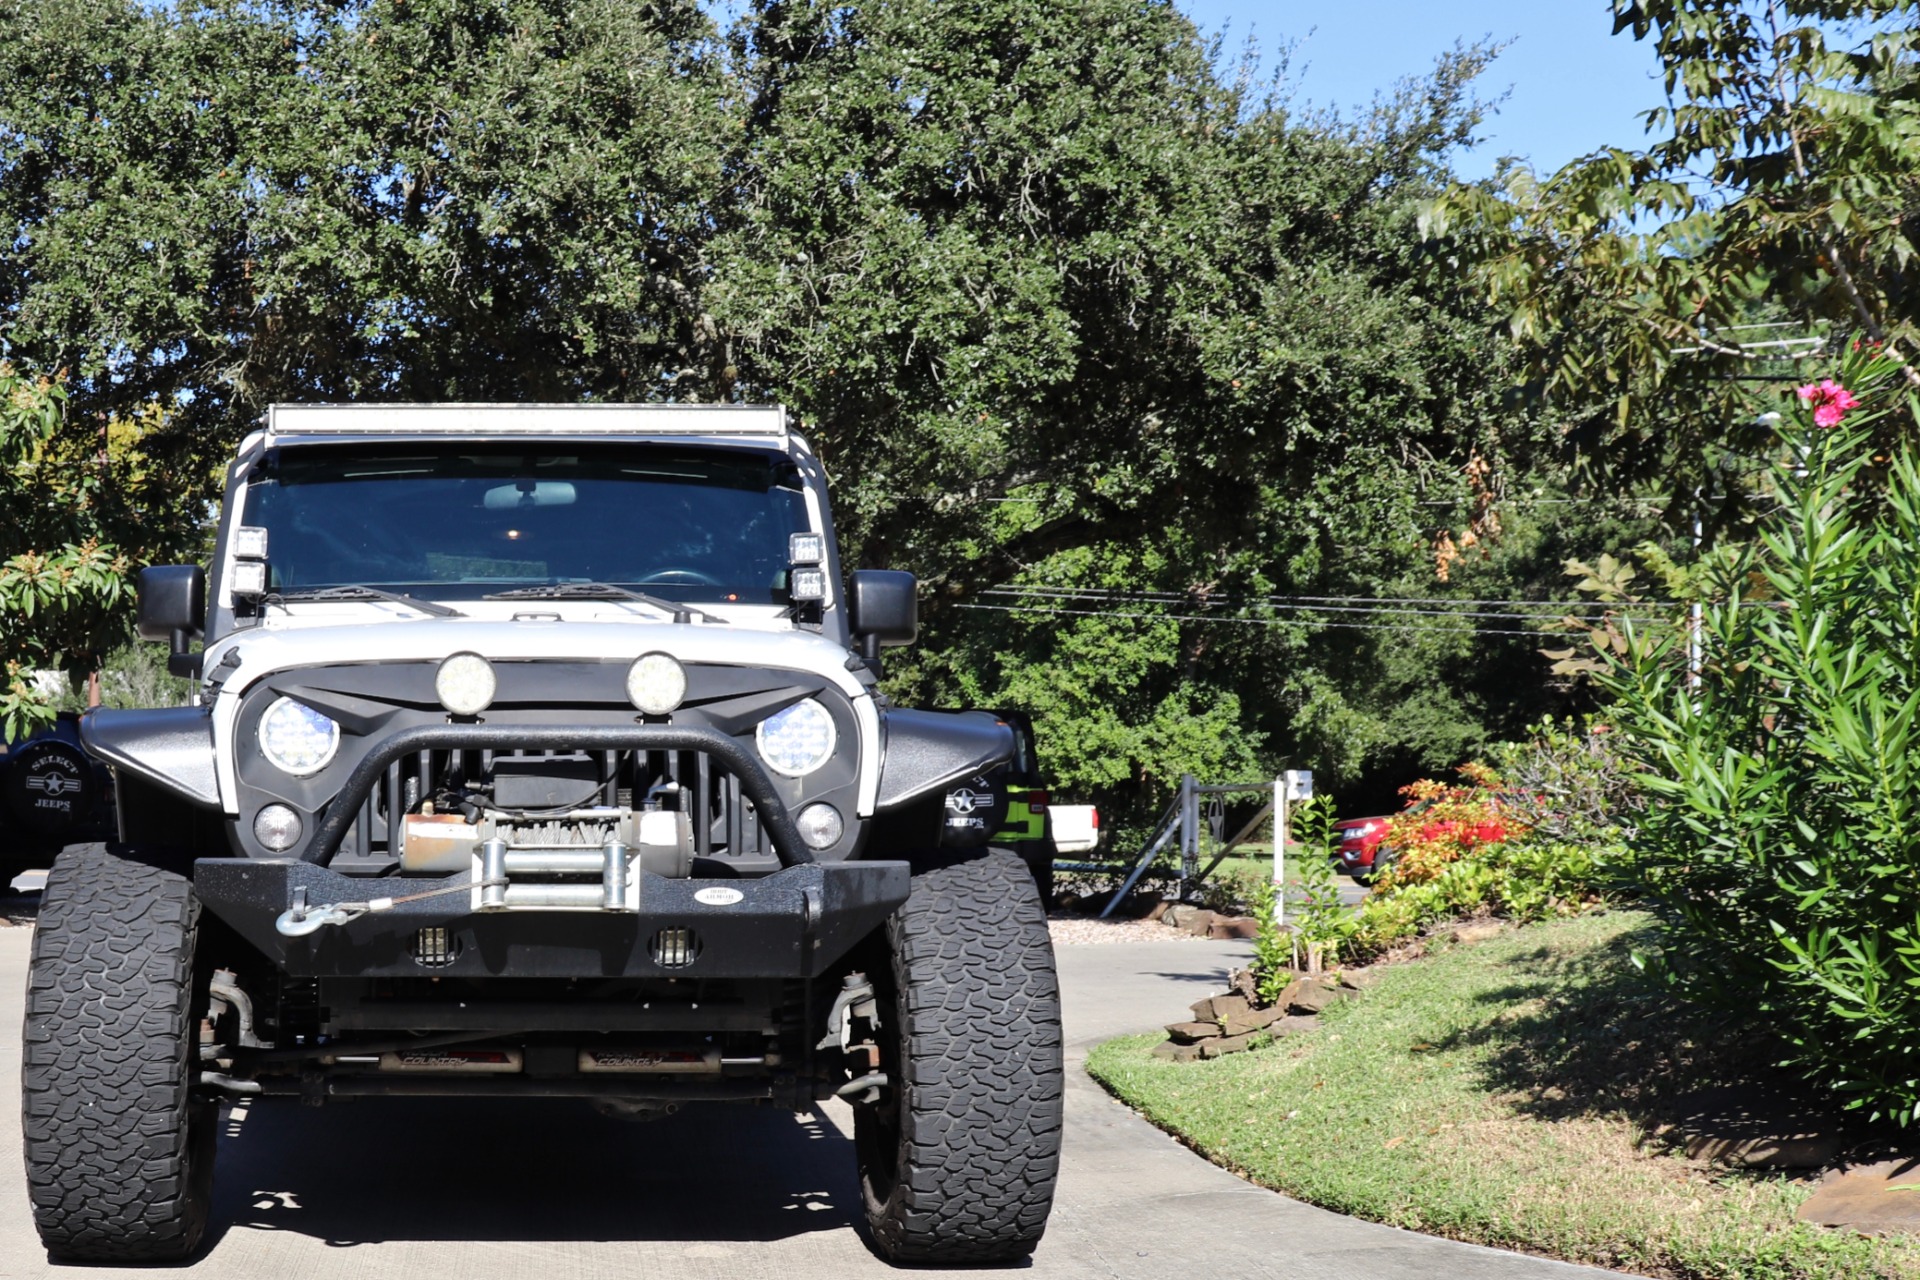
[(1294, 784)]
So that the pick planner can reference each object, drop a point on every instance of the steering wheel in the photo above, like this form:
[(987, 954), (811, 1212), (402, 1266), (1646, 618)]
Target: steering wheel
[(673, 576)]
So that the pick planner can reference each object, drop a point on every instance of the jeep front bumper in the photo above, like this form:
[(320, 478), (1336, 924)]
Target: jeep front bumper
[(795, 922)]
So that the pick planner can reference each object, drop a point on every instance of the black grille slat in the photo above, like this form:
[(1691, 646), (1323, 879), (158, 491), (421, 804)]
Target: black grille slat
[(702, 807)]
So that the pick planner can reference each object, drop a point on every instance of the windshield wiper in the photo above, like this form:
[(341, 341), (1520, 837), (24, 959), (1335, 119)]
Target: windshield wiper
[(365, 593), (681, 612)]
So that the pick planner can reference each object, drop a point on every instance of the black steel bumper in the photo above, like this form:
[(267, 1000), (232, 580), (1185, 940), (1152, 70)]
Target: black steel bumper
[(793, 923)]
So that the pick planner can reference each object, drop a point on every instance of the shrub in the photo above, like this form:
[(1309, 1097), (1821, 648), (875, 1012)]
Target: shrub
[(1567, 782), (1443, 823), (1780, 847), (1464, 849)]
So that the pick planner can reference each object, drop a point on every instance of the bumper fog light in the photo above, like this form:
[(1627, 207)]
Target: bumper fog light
[(277, 827), (674, 948), (820, 825)]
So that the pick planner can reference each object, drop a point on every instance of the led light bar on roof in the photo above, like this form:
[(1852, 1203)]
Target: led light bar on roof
[(526, 419)]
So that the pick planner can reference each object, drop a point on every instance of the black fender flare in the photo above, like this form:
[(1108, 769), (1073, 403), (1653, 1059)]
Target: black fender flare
[(169, 747), (925, 752)]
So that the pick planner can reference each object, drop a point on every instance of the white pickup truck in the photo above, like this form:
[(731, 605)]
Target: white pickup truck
[(1076, 828)]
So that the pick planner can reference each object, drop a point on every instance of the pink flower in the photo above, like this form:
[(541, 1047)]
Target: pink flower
[(1830, 402)]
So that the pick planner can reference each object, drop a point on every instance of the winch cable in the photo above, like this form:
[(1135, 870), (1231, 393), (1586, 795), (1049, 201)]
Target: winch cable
[(297, 922)]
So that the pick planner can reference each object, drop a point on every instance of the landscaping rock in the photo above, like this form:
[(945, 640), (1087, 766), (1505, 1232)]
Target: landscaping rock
[(1479, 931), (1756, 1126), (1226, 1044), (1200, 926), (1875, 1198), (1179, 915), (1251, 1020), (1358, 979), (1310, 995), (1229, 927), (1219, 1008), (1188, 1032), (1291, 1023), (1177, 1052), (1157, 910)]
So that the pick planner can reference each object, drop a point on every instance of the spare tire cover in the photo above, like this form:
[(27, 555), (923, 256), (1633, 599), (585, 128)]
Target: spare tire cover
[(49, 785), (976, 807)]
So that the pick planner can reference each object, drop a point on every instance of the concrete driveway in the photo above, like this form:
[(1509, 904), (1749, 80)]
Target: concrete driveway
[(547, 1190)]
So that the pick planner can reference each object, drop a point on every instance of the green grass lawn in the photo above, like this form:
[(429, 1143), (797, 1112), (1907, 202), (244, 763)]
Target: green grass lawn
[(1498, 1093)]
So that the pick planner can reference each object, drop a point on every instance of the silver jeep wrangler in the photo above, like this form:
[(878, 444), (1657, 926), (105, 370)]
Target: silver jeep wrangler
[(537, 752)]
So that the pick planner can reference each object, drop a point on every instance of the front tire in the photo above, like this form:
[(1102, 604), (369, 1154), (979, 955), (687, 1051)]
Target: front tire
[(1384, 860), (958, 1160), (119, 1145)]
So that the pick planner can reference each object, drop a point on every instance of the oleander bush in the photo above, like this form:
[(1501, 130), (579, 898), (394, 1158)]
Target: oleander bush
[(1568, 782), (1781, 846)]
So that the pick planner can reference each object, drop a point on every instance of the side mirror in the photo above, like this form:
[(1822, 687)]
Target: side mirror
[(882, 608), (172, 606)]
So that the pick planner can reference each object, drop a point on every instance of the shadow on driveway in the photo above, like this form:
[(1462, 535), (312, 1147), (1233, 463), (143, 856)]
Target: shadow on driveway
[(376, 1170)]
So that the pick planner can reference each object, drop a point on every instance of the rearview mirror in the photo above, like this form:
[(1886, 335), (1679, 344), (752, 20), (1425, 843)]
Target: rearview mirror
[(530, 493)]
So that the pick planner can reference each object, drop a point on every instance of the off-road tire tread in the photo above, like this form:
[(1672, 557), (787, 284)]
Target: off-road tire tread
[(982, 1102), (109, 1117)]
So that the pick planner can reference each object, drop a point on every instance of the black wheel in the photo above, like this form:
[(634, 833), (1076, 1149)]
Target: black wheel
[(119, 1144), (958, 1158), (1384, 859)]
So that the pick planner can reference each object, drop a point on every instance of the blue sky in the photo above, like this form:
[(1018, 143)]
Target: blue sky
[(1571, 85)]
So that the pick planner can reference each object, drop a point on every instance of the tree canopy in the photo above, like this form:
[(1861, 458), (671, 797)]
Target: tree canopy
[(1063, 308), (1778, 194)]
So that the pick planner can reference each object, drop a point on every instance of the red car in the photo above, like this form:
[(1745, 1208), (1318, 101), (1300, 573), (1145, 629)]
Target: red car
[(1360, 852)]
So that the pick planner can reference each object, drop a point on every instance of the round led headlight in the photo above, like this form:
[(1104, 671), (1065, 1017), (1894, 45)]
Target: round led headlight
[(820, 826), (277, 827), (798, 740), (296, 739), (656, 683), (465, 684)]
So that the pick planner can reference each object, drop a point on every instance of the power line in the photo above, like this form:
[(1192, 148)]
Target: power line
[(1259, 622), (1340, 604)]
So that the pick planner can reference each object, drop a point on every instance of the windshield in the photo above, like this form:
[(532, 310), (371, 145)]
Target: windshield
[(460, 521)]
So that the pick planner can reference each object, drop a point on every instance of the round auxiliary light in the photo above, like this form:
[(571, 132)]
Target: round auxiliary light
[(277, 827), (465, 684), (798, 740), (296, 739), (820, 825), (656, 683)]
